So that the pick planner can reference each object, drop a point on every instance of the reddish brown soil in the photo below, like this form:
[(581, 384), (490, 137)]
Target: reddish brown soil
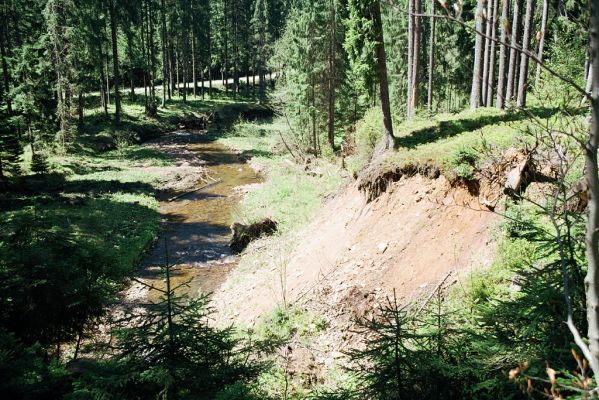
[(355, 254)]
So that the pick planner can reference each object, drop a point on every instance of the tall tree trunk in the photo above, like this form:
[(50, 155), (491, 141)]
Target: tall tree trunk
[(592, 228), (164, 52), (511, 74), (193, 63), (523, 82), (171, 60), (80, 108), (409, 111), (235, 49), (115, 61), (5, 74), (503, 52), (152, 51), (487, 51), (331, 77), (478, 49), (491, 76), (203, 88), (431, 59), (103, 88), (416, 56), (384, 84), (226, 48), (542, 40)]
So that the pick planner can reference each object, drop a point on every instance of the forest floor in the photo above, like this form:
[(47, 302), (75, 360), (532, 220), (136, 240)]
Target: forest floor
[(347, 245), (351, 234), (104, 191)]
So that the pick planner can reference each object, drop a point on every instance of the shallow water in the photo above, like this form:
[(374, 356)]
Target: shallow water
[(197, 226)]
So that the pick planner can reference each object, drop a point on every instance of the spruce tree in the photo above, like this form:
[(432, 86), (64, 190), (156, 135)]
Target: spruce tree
[(10, 150)]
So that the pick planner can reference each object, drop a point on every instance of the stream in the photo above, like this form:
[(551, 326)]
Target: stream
[(196, 225)]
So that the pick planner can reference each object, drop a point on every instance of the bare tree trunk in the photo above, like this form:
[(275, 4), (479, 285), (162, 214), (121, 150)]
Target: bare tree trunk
[(80, 108), (505, 13), (491, 77), (5, 74), (542, 39), (431, 59), (331, 78), (409, 110), (225, 45), (193, 62), (592, 228), (487, 49), (513, 52), (164, 46), (152, 52), (523, 82), (476, 69), (384, 84), (115, 61), (416, 56)]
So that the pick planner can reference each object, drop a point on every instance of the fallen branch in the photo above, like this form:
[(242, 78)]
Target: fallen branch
[(194, 190), (437, 288)]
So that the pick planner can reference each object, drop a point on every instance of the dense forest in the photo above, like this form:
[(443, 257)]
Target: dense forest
[(412, 188)]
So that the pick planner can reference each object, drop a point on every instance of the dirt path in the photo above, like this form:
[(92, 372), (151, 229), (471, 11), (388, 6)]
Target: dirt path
[(196, 223)]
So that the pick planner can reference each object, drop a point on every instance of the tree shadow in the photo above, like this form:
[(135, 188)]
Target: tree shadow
[(449, 128)]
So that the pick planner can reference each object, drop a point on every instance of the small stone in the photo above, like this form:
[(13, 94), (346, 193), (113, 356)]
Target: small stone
[(382, 246)]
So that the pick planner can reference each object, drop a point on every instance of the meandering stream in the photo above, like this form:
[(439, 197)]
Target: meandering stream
[(197, 224)]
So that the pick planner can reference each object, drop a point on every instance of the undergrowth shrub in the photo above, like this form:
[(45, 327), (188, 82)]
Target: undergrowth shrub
[(367, 135), (463, 162)]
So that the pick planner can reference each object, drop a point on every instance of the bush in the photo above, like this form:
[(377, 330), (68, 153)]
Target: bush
[(368, 131), (39, 163), (463, 162)]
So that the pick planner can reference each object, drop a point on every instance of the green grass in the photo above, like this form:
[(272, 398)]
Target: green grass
[(434, 141), (102, 199), (290, 195)]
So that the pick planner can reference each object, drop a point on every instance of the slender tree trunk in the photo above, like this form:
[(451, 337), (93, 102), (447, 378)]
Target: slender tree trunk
[(80, 108), (5, 74), (511, 75), (103, 88), (523, 82), (226, 48), (416, 56), (487, 50), (115, 61), (203, 90), (431, 59), (152, 51), (331, 77), (193, 63), (491, 77), (171, 60), (314, 138), (384, 84), (503, 52), (409, 111), (592, 176), (164, 47), (476, 70), (235, 49), (542, 40)]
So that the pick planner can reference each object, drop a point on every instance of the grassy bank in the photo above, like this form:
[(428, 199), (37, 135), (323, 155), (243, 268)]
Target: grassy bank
[(435, 142), (101, 191)]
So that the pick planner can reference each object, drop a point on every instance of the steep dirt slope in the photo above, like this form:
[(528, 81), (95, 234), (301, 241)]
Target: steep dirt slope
[(356, 252)]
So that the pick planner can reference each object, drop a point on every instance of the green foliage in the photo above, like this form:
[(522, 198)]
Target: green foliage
[(25, 372), (10, 150), (57, 276), (39, 163), (170, 350), (463, 162)]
